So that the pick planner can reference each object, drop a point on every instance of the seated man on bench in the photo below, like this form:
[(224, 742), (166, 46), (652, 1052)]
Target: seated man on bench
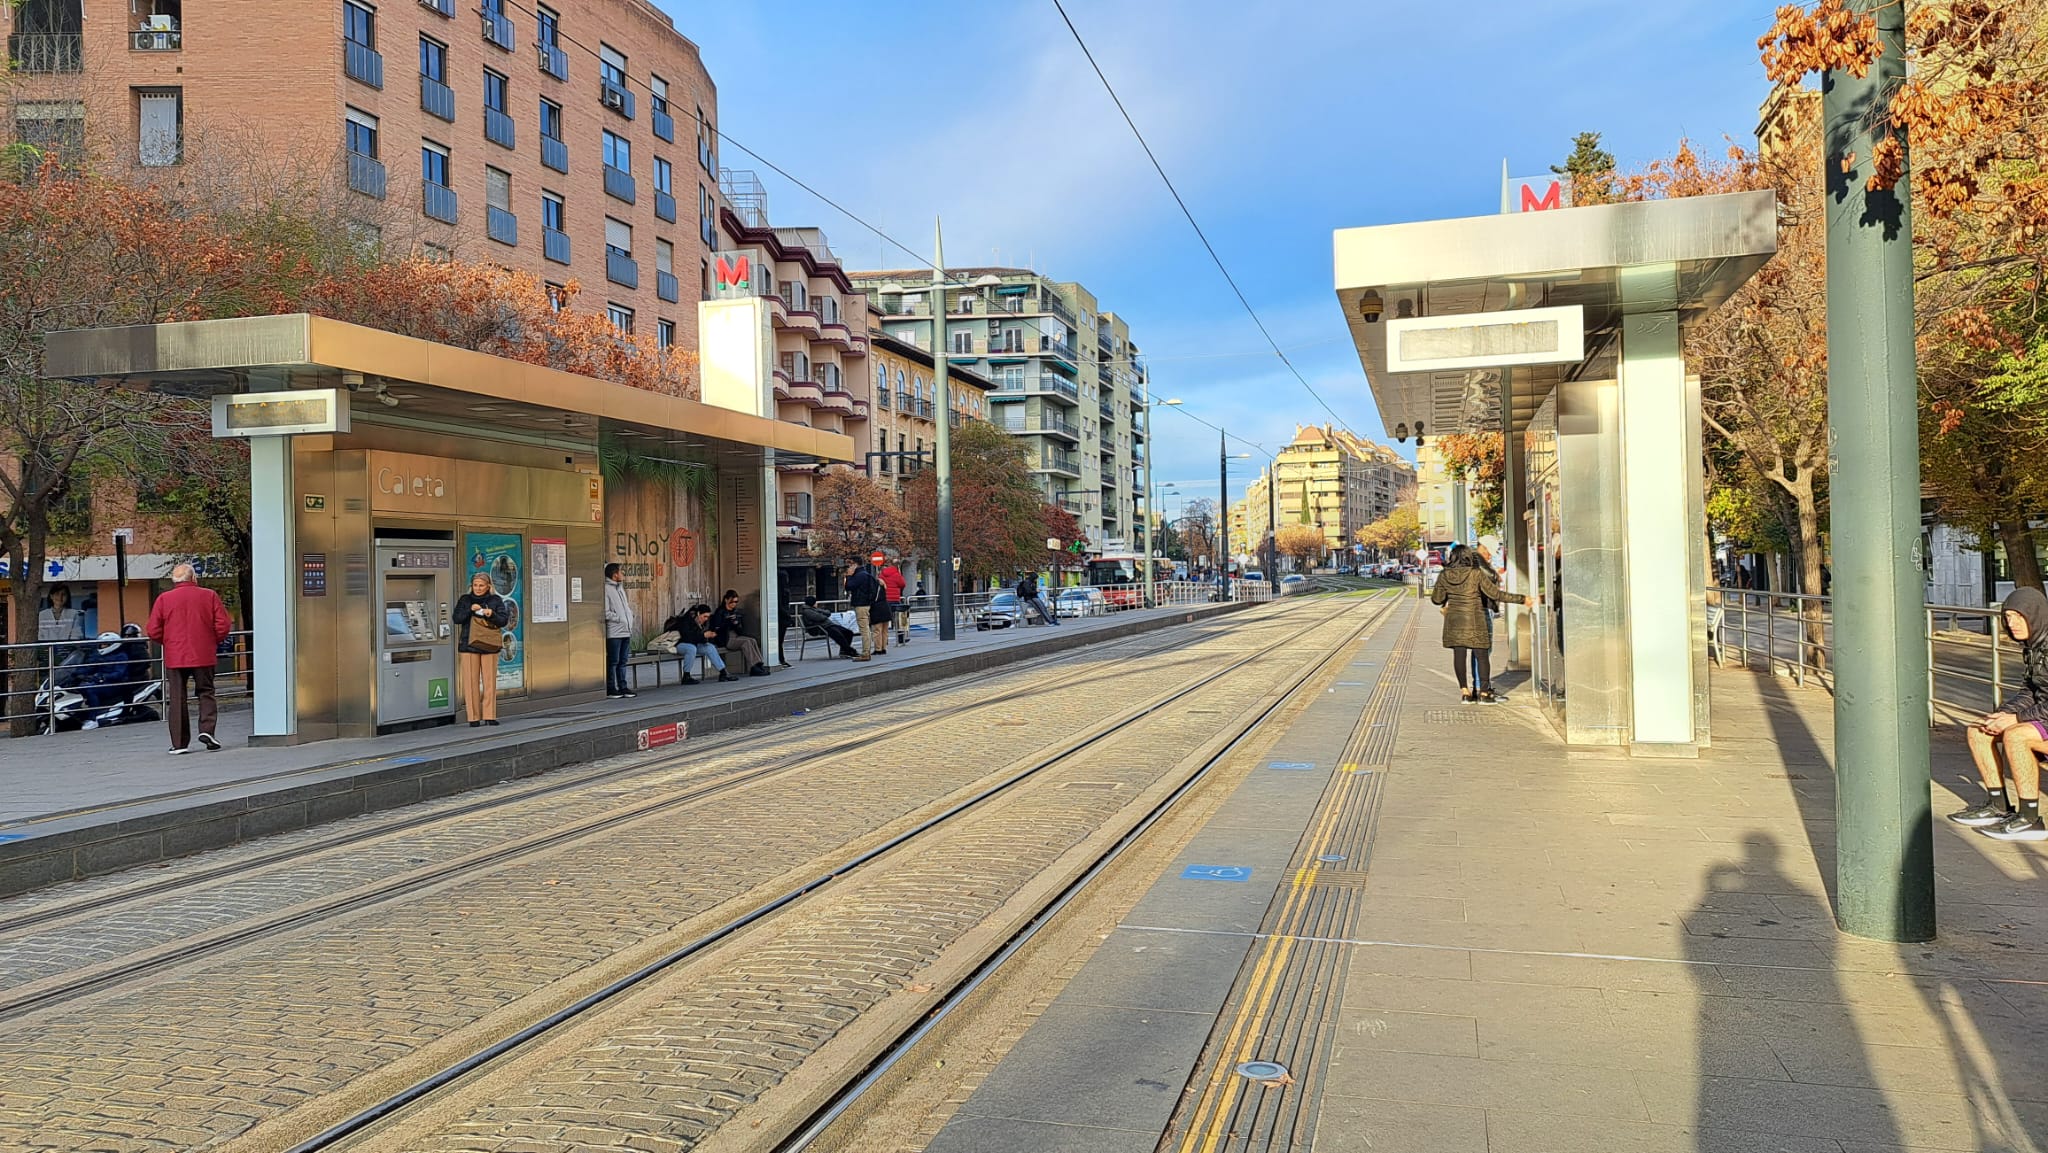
[(818, 623), (2019, 730)]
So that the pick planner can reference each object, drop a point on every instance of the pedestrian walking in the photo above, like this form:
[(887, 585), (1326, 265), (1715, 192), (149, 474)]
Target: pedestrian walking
[(480, 613), (2019, 730), (894, 584), (728, 624), (865, 592), (1463, 589), (618, 632), (190, 623)]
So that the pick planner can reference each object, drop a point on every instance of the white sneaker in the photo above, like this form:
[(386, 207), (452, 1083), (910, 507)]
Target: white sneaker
[(210, 741), (178, 752)]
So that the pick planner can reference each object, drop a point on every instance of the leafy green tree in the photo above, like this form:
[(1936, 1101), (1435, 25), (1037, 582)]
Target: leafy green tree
[(1591, 169)]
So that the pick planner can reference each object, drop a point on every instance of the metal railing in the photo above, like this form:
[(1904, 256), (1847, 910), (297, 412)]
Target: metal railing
[(1970, 661), (233, 677), (46, 52)]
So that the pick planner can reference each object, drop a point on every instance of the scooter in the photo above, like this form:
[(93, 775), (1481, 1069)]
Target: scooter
[(62, 702)]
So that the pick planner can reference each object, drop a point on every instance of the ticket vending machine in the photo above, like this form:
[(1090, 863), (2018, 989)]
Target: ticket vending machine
[(415, 641)]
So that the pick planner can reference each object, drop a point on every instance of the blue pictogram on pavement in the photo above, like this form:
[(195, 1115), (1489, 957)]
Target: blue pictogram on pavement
[(1216, 873), (1292, 766)]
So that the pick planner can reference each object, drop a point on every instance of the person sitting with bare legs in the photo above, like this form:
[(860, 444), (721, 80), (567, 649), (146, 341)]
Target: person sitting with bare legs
[(2018, 731)]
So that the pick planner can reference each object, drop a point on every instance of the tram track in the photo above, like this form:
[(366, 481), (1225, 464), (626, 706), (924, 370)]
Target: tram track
[(11, 926), (1242, 726), (45, 993)]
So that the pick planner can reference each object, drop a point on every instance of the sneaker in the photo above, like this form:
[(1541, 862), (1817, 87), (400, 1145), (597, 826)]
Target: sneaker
[(2018, 828), (758, 671), (1980, 816), (688, 679), (178, 752), (210, 741), (615, 696), (628, 694), (724, 675)]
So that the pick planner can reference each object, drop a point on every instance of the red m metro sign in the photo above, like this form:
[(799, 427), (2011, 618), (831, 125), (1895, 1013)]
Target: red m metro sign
[(1535, 194)]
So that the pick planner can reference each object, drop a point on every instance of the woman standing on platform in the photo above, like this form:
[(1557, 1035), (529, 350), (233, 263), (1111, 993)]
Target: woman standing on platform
[(1464, 589), (480, 613)]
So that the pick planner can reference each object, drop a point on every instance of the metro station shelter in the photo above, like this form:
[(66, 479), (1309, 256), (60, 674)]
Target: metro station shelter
[(385, 471), (1562, 329)]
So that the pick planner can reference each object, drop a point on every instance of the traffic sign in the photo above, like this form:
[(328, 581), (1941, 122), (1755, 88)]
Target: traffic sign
[(877, 557)]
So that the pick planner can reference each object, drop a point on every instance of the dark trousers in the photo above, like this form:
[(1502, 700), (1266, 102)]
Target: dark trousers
[(201, 680), (616, 650), (1480, 663)]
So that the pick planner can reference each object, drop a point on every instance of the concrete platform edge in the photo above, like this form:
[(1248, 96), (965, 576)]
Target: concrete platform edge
[(142, 833)]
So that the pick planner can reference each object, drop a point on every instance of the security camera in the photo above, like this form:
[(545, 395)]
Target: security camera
[(353, 381), (1418, 434), (1401, 432), (1370, 306)]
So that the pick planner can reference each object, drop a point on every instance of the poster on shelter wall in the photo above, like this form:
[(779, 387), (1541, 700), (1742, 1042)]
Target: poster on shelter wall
[(548, 581), (498, 555), (658, 532)]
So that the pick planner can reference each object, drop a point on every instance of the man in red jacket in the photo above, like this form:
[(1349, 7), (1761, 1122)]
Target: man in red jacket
[(894, 584), (189, 622)]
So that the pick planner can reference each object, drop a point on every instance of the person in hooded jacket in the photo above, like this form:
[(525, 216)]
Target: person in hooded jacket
[(1465, 589), (2019, 730)]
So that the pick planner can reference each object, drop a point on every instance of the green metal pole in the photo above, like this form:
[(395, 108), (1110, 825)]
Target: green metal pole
[(942, 448), (1884, 857)]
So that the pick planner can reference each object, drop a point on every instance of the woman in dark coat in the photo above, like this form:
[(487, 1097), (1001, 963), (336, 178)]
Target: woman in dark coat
[(1464, 589)]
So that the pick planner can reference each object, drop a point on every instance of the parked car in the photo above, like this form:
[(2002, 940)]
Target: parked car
[(1003, 611), (1084, 601), (1293, 582)]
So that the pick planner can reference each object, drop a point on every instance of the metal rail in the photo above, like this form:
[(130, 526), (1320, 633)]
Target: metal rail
[(1153, 644), (329, 1138), (234, 673)]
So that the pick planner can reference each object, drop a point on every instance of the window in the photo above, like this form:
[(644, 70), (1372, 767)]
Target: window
[(618, 236), (611, 64), (664, 176), (620, 316), (796, 506), (361, 133), (658, 93), (439, 254), (433, 163), (496, 92), (434, 60), (664, 334), (706, 225), (498, 188), (551, 211), (963, 342), (618, 152), (51, 125), (547, 26), (882, 382), (161, 114), (704, 138), (664, 257), (358, 24), (550, 120), (558, 296)]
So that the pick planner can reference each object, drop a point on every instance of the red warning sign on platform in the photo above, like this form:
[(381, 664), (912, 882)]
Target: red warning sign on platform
[(660, 735)]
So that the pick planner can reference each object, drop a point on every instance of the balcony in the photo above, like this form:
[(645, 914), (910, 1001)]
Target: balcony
[(554, 245), (437, 99), (1072, 504), (501, 226), (553, 61), (1058, 387), (440, 7), (665, 206), (497, 29), (365, 175), (618, 184), (838, 400), (363, 64), (667, 287), (907, 403), (41, 53), (1108, 412), (616, 97), (664, 125), (498, 128), (901, 307), (621, 268), (1051, 423), (924, 409), (1047, 346), (554, 153), (156, 40), (438, 201), (1059, 462)]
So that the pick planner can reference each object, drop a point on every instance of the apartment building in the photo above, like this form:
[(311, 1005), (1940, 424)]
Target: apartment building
[(906, 405), (820, 325), (1066, 379), (485, 130), (1328, 478)]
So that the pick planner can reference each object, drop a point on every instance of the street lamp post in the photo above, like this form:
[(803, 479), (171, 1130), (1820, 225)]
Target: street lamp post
[(943, 443), (1223, 513)]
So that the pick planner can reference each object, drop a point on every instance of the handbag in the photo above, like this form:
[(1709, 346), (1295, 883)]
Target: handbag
[(486, 639)]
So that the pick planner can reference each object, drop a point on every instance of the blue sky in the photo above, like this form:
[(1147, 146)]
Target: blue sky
[(1279, 122)]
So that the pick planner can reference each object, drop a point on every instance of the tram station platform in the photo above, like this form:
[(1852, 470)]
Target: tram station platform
[(81, 804), (1446, 930)]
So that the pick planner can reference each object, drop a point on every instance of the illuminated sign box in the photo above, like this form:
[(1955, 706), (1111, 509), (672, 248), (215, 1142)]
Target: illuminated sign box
[(1487, 339), (280, 413)]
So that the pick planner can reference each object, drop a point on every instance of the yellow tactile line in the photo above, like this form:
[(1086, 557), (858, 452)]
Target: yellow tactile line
[(1212, 1110)]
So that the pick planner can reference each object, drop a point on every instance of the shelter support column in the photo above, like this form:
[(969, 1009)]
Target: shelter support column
[(274, 615), (771, 569), (1514, 501), (1664, 588)]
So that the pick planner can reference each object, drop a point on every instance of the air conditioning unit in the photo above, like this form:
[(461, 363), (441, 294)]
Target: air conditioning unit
[(613, 98)]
